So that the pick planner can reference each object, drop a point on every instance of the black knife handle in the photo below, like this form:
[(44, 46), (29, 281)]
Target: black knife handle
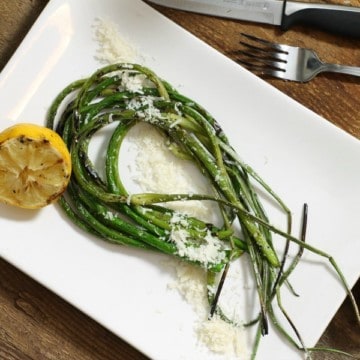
[(341, 20)]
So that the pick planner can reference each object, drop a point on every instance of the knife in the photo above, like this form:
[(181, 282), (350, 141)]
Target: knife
[(339, 19)]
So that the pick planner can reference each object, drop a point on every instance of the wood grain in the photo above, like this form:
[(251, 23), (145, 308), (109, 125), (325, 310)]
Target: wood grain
[(36, 324)]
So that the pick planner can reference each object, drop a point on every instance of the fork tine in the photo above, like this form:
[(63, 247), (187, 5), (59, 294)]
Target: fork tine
[(262, 56), (258, 50), (266, 49), (262, 53), (262, 70), (271, 45), (263, 61), (255, 67)]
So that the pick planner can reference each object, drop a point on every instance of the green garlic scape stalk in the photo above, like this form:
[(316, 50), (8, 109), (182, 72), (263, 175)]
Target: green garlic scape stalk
[(102, 206)]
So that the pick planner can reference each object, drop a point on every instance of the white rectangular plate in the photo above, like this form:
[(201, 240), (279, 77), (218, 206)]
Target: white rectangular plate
[(303, 157)]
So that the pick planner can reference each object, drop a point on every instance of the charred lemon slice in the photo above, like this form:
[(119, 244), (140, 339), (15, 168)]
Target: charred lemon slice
[(35, 166)]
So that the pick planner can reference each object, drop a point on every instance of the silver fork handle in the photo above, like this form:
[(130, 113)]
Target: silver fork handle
[(343, 69)]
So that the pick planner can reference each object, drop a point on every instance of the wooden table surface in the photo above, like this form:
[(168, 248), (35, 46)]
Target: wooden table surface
[(36, 324)]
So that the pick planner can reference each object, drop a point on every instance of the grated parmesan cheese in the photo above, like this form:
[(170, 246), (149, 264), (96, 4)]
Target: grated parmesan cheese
[(222, 337), (112, 47), (144, 107), (211, 250), (109, 215), (191, 284), (157, 170), (218, 336)]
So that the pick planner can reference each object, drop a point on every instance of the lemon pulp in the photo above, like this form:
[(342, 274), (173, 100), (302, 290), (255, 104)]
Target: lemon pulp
[(35, 166)]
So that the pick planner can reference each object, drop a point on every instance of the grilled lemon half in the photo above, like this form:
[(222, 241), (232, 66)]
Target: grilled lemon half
[(35, 166)]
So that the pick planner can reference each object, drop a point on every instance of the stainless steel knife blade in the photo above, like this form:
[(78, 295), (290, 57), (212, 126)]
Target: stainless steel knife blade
[(265, 11), (344, 20)]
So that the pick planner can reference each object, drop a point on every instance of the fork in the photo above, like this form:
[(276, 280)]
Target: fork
[(284, 61)]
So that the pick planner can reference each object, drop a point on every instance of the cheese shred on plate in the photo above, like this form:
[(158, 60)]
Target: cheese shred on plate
[(222, 337), (156, 169), (154, 163), (211, 249), (112, 47)]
